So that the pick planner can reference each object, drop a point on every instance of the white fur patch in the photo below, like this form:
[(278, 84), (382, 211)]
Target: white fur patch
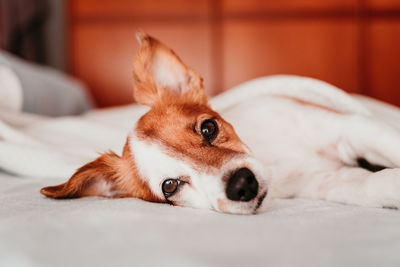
[(204, 190), (154, 165)]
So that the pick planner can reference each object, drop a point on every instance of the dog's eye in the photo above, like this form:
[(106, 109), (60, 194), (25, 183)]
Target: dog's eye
[(209, 130), (170, 186)]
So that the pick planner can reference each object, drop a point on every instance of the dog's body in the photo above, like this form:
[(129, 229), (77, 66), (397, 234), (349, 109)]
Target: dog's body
[(321, 145)]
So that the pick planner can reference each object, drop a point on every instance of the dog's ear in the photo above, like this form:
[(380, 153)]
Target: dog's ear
[(159, 74), (96, 178)]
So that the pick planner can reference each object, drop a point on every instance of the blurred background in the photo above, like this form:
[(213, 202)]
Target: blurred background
[(353, 44)]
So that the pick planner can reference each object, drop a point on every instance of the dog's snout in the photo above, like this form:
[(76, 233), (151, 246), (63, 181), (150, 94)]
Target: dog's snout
[(242, 186)]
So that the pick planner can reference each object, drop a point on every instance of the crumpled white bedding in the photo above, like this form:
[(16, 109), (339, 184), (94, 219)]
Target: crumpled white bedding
[(36, 231)]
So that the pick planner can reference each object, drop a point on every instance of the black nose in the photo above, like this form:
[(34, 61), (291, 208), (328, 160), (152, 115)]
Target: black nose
[(242, 186)]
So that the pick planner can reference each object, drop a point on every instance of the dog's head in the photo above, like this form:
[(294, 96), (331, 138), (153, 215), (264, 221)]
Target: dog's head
[(180, 152)]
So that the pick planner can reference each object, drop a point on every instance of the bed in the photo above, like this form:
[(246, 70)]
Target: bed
[(37, 151)]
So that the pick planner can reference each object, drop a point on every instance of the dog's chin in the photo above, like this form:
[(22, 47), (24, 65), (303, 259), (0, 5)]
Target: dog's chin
[(259, 200), (245, 208)]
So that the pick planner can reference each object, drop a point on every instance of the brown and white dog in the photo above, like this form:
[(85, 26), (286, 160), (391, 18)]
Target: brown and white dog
[(184, 153)]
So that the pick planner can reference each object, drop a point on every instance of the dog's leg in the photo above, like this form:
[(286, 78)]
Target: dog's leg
[(367, 143), (352, 185), (365, 169)]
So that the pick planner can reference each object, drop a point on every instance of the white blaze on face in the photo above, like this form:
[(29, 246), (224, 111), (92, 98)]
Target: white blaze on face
[(155, 166), (203, 190)]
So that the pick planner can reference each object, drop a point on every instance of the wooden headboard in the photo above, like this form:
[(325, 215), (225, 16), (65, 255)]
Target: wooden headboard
[(350, 43)]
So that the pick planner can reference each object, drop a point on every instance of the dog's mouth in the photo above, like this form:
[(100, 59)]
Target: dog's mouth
[(260, 201)]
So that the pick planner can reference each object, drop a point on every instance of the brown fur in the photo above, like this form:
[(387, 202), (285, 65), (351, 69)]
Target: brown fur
[(146, 90), (179, 131), (174, 121), (177, 113), (119, 172)]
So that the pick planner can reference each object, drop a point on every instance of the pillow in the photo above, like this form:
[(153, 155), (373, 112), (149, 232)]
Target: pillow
[(45, 90), (10, 90)]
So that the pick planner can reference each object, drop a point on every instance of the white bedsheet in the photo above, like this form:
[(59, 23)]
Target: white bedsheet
[(37, 231)]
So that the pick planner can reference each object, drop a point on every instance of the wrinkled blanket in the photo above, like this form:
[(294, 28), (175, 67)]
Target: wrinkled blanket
[(37, 151)]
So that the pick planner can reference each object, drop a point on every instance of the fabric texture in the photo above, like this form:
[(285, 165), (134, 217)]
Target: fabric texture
[(38, 151)]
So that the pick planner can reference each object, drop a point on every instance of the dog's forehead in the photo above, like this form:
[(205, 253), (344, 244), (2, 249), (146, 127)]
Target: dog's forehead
[(160, 116), (172, 120), (174, 127)]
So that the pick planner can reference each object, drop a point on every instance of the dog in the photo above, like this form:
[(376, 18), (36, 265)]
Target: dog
[(184, 153)]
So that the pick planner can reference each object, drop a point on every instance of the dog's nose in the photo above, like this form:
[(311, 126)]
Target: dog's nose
[(242, 186)]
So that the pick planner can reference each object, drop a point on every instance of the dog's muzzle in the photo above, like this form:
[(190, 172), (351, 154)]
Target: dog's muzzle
[(242, 186)]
